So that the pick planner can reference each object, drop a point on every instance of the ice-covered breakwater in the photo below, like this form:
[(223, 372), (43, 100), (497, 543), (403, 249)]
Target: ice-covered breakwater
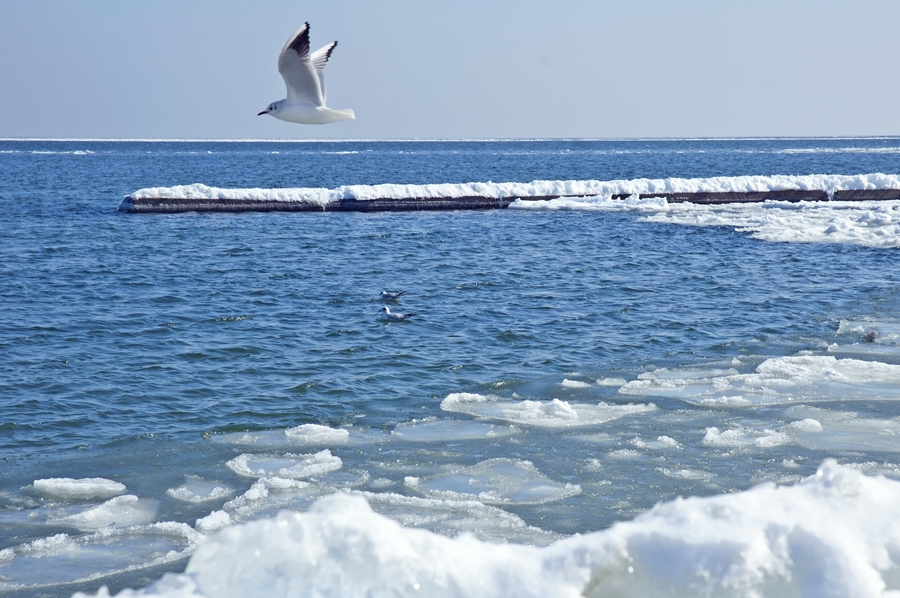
[(481, 196)]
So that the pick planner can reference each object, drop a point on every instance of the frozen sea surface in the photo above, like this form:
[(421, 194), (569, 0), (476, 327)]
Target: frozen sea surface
[(180, 392)]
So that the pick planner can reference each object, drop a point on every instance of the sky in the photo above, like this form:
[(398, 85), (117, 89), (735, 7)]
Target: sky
[(474, 69)]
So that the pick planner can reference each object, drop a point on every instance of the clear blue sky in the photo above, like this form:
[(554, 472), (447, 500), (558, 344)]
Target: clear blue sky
[(461, 69)]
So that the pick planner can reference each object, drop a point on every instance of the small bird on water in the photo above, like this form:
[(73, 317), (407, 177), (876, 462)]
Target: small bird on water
[(304, 77), (395, 317), (389, 296)]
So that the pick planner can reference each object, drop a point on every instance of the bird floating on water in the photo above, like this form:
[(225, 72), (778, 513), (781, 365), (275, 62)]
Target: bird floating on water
[(389, 296), (304, 77), (395, 317)]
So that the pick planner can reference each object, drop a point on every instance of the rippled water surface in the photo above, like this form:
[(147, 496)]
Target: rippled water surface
[(132, 346)]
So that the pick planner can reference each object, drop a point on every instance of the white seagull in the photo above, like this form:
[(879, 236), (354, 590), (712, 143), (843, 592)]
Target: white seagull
[(304, 77), (395, 317), (389, 296)]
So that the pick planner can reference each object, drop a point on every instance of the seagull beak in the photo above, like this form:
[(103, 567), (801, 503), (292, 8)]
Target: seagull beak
[(263, 112)]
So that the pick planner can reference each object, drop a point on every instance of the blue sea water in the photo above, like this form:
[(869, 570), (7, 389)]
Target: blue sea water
[(138, 348)]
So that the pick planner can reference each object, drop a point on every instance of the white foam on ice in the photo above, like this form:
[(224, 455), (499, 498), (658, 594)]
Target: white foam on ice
[(197, 490), (495, 481), (444, 430), (284, 466), (547, 414), (69, 488), (834, 534), (118, 512), (64, 558), (780, 380)]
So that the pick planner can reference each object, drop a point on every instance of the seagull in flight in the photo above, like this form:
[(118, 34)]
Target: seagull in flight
[(388, 296), (395, 317), (304, 77)]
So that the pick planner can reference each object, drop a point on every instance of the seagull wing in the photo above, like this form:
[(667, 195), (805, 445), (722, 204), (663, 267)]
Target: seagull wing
[(297, 69), (319, 59)]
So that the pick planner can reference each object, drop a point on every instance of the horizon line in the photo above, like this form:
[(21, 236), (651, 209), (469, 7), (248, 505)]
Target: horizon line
[(435, 139)]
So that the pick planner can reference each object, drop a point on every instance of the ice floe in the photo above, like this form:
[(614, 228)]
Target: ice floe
[(197, 490), (495, 481), (444, 430), (69, 488), (118, 512), (548, 414), (63, 558), (284, 466), (779, 380), (303, 435)]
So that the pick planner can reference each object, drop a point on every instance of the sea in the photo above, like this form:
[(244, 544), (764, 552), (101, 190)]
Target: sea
[(595, 396)]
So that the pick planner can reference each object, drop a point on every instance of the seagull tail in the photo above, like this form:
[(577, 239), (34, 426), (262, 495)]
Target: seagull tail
[(346, 114)]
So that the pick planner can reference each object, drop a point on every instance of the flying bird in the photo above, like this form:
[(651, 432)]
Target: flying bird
[(304, 77), (395, 317), (389, 296)]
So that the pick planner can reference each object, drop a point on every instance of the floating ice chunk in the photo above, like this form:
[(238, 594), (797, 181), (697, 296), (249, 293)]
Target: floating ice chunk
[(742, 437), (121, 511), (495, 481), (823, 429), (794, 379), (834, 534), (213, 522), (453, 517), (63, 558), (805, 425), (625, 454), (285, 466), (611, 381), (548, 414), (448, 429), (197, 490), (686, 474), (303, 435), (272, 494), (170, 586), (574, 383), (735, 400), (661, 443), (316, 434), (68, 488)]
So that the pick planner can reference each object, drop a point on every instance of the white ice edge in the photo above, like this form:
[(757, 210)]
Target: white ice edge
[(824, 182), (836, 533)]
